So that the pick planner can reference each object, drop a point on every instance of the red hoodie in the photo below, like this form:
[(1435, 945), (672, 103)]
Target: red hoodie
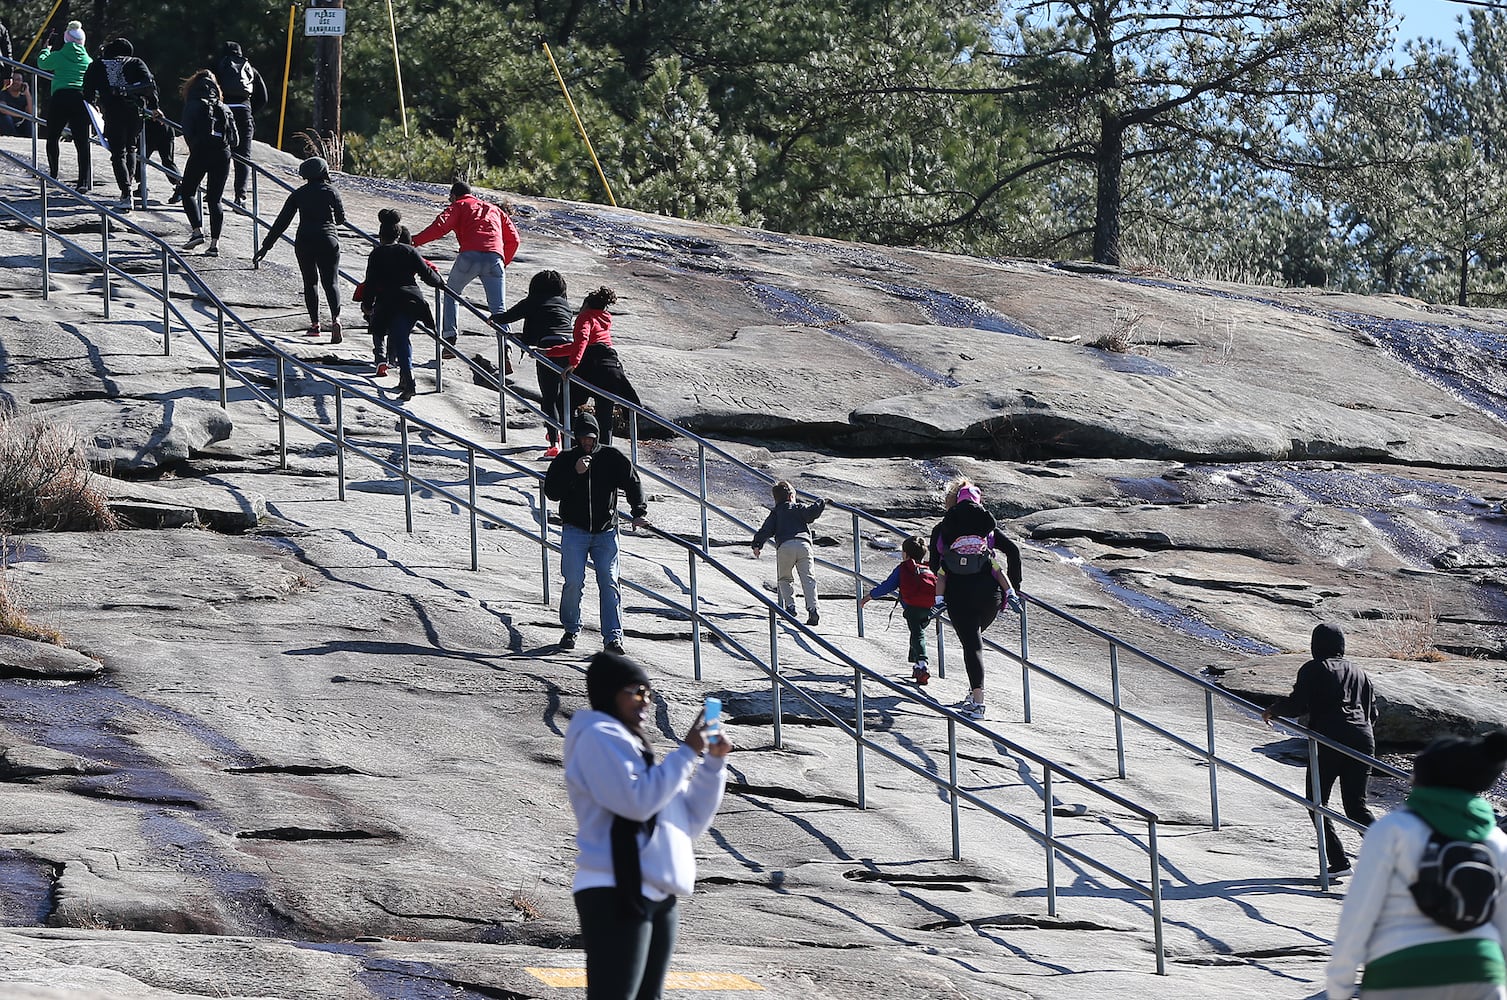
[(593, 326), (477, 225)]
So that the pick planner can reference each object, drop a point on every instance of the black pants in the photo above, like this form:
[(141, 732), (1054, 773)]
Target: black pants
[(1353, 776), (626, 956), (551, 397), (602, 370), (160, 141), (211, 164), (124, 136), (318, 261), (972, 608), (66, 110), (245, 125)]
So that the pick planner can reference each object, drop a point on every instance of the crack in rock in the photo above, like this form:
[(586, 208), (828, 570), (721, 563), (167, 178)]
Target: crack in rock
[(300, 833), (911, 880), (300, 770)]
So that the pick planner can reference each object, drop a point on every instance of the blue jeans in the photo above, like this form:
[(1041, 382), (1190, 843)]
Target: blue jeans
[(469, 265), (400, 348), (575, 545)]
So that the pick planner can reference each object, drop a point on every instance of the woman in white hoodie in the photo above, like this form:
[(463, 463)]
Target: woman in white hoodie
[(1407, 954), (636, 821)]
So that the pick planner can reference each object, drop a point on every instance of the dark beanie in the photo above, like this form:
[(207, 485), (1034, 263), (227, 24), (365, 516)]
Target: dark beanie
[(117, 47), (1460, 762), (232, 49), (1328, 641), (607, 674), (314, 169), (587, 424)]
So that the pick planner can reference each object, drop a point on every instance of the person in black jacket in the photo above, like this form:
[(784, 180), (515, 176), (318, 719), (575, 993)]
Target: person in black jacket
[(1340, 703), (973, 598), (392, 274), (209, 131), (547, 323), (126, 92), (316, 245), (245, 94), (586, 480)]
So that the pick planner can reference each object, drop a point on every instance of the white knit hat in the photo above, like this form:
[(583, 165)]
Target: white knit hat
[(74, 33)]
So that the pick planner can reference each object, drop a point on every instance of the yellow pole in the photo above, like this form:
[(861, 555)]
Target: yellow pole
[(40, 30), (287, 71), (577, 117), (398, 66)]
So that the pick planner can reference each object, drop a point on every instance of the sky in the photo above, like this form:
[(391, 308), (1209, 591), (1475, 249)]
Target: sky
[(1428, 19)]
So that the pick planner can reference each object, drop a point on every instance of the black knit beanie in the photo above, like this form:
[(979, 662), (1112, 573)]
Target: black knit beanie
[(586, 425), (607, 674), (1328, 641), (1460, 762)]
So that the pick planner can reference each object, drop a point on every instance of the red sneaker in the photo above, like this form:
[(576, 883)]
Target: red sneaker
[(552, 451), (382, 369)]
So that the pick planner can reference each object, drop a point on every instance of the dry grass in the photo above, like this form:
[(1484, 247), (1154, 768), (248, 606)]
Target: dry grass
[(526, 904), (330, 147), (45, 480), (1411, 630), (13, 617), (1125, 335)]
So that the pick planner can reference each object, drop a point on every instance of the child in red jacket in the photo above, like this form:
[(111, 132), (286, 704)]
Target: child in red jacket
[(918, 586)]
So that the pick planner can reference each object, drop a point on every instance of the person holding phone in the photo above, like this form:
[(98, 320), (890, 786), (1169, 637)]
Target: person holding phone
[(636, 820)]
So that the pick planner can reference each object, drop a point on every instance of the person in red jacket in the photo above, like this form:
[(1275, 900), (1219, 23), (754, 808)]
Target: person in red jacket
[(594, 360), (488, 240)]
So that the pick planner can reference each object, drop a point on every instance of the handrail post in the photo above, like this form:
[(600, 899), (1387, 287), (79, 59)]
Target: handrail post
[(1114, 687), (439, 361), (340, 440), (167, 315), (219, 351), (1315, 804), (471, 485), (858, 572), (1025, 667), (141, 162), (46, 265), (1156, 896), (256, 221), (941, 653), (633, 437), (859, 736), (1213, 761), (1051, 843), (282, 414), (567, 416), (701, 487), (407, 480), (104, 230), (502, 387), (544, 542), (774, 679), (695, 616), (952, 788)]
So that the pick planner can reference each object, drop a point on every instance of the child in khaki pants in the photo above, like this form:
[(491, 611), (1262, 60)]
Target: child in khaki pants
[(789, 525)]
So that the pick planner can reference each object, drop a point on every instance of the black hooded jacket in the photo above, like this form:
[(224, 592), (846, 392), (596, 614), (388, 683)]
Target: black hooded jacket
[(207, 123), (120, 83), (1334, 693), (234, 71), (589, 500)]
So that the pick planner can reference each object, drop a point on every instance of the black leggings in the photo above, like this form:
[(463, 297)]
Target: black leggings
[(245, 126), (125, 146), (551, 397), (972, 610), (318, 260), (626, 956), (602, 370), (66, 110), (212, 165)]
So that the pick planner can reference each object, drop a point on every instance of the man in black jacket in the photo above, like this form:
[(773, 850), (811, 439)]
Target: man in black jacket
[(126, 92), (245, 93), (1337, 697), (585, 480)]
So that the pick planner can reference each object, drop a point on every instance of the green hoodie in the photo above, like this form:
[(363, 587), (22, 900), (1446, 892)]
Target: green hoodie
[(66, 65), (1454, 812)]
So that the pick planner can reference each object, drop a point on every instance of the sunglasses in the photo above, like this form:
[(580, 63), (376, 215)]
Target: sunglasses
[(642, 692)]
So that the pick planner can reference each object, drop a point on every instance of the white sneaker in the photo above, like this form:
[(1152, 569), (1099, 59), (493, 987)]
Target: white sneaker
[(964, 705), (974, 711)]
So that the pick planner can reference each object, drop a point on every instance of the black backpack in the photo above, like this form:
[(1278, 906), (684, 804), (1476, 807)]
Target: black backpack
[(237, 79), (1458, 882)]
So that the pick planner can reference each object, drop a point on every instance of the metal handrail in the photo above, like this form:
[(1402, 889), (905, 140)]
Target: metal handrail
[(470, 503)]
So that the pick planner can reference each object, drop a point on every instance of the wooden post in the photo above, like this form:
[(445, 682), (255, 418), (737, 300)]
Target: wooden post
[(327, 90)]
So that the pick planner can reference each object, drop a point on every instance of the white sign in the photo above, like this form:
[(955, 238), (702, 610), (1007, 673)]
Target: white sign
[(324, 21)]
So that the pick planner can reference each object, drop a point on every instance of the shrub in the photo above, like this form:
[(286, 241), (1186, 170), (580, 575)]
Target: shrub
[(13, 619), (45, 481)]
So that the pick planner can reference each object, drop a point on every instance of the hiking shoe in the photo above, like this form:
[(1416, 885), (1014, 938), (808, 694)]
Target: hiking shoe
[(405, 393), (964, 705), (197, 239), (552, 451), (615, 646), (447, 354), (382, 369), (1341, 871), (974, 711), (920, 674), (568, 641), (125, 204), (176, 197), (240, 200), (813, 619), (790, 610), (213, 250)]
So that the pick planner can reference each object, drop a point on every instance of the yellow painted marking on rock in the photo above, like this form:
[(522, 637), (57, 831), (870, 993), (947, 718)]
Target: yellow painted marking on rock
[(576, 978)]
